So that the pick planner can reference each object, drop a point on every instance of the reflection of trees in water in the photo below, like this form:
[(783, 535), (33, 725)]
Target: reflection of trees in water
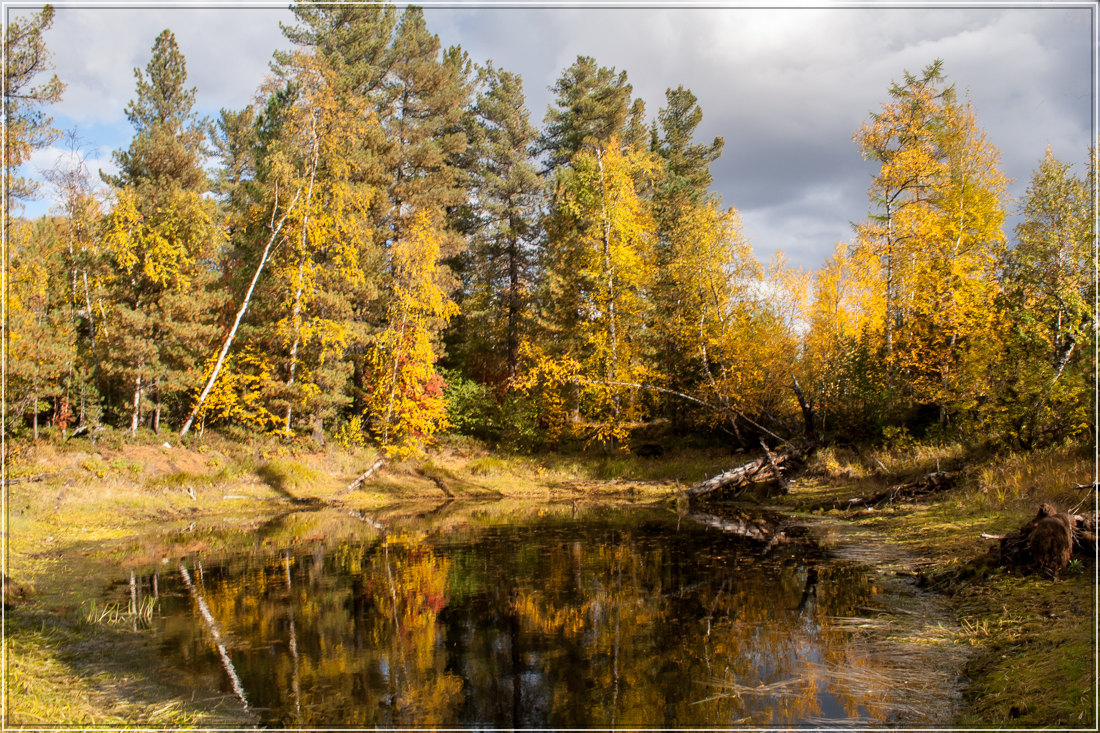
[(625, 634), (349, 638), (571, 626)]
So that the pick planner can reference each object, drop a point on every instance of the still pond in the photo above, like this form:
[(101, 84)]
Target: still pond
[(630, 617)]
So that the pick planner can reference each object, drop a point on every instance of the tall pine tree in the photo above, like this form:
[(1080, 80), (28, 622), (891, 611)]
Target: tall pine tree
[(162, 244)]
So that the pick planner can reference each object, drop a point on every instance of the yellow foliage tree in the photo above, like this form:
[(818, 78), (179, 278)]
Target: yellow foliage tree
[(931, 247), (405, 403), (600, 271)]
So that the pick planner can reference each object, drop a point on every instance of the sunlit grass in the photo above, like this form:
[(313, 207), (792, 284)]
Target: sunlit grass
[(46, 689), (114, 614)]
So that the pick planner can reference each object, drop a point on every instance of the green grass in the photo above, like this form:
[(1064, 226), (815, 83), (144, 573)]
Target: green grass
[(61, 673), (287, 476)]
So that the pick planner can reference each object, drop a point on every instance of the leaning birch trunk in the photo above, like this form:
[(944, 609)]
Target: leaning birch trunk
[(240, 315), (361, 478)]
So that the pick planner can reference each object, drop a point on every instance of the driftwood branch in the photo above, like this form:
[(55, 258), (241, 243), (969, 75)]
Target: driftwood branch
[(930, 483)]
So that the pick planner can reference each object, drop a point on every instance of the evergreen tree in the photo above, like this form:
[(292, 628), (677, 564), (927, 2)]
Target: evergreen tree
[(162, 244), (27, 127), (687, 176), (693, 237), (591, 107), (498, 266)]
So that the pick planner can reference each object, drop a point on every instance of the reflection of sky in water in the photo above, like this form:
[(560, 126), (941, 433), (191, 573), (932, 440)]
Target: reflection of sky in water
[(621, 620)]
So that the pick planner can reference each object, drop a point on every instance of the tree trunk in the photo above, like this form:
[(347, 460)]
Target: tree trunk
[(240, 313), (295, 319), (809, 429), (513, 304), (135, 416), (297, 312), (613, 357)]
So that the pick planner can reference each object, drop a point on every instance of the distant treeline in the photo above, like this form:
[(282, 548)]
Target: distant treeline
[(388, 248)]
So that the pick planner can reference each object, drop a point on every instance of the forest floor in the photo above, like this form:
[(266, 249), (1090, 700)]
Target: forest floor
[(1033, 661)]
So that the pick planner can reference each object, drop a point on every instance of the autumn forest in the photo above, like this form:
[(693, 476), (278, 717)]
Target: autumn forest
[(385, 246)]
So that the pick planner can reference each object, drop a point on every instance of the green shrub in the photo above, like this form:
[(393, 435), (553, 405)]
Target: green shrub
[(471, 407)]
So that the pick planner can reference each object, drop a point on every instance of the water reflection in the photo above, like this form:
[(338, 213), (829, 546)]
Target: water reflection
[(628, 619)]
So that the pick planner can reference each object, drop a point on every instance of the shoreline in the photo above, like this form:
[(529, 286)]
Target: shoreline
[(1030, 641)]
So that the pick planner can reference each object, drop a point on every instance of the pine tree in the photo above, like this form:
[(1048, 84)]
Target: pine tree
[(592, 107), (687, 176), (695, 241), (498, 266), (27, 127), (161, 242)]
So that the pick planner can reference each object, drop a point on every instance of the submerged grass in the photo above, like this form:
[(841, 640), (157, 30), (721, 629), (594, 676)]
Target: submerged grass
[(1033, 661)]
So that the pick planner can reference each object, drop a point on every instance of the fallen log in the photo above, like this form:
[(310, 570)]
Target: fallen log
[(929, 483), (361, 479), (768, 467)]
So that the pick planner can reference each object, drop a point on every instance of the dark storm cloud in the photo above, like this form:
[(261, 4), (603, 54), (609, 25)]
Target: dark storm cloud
[(786, 88)]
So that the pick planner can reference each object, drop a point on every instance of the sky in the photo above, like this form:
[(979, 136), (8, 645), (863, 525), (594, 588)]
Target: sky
[(786, 87)]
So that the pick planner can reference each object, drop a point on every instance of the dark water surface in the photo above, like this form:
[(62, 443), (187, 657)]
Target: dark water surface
[(616, 618)]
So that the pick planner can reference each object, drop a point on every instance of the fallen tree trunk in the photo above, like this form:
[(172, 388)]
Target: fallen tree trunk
[(361, 478), (929, 483), (768, 467)]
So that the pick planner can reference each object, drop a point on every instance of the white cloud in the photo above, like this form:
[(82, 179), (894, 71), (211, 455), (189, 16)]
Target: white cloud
[(96, 50)]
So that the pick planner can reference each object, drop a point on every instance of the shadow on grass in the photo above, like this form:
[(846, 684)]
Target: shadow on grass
[(66, 670)]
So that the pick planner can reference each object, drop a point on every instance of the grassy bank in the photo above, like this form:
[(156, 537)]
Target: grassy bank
[(79, 506)]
